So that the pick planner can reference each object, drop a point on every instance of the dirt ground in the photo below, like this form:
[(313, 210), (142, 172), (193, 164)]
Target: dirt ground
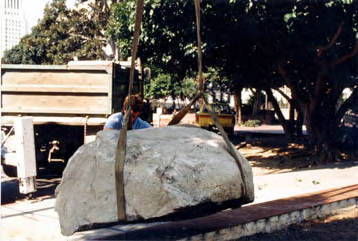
[(272, 155)]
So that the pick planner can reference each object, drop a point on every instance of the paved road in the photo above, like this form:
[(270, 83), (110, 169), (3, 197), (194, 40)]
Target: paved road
[(263, 129)]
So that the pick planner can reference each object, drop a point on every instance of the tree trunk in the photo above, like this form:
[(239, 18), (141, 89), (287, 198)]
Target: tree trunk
[(257, 102), (299, 122), (287, 127), (295, 123), (173, 103), (322, 130), (238, 106), (292, 111)]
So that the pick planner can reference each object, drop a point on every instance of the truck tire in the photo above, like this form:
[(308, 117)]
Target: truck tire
[(10, 171)]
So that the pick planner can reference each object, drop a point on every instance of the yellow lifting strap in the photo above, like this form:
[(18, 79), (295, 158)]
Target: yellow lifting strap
[(122, 140), (177, 118)]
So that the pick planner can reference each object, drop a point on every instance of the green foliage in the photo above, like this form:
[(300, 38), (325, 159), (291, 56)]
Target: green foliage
[(252, 123), (214, 81), (167, 40), (121, 28), (43, 45), (160, 87), (188, 89), (167, 44), (163, 86), (61, 35)]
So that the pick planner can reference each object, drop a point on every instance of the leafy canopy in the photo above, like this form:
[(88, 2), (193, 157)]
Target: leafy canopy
[(63, 34)]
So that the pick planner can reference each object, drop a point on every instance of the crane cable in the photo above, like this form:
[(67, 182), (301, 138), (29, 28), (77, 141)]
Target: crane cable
[(180, 115), (122, 140), (213, 115), (200, 52)]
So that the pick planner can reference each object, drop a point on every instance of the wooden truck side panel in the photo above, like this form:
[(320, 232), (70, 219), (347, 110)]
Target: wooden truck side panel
[(28, 89)]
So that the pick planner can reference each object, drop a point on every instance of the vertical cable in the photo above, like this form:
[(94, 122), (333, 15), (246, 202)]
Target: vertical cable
[(122, 140)]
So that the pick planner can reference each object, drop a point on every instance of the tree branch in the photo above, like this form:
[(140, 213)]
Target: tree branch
[(253, 91), (348, 56), (321, 49), (295, 93), (348, 104), (283, 94), (276, 107), (83, 37)]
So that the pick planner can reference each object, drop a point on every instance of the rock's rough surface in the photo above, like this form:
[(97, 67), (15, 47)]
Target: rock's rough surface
[(166, 169)]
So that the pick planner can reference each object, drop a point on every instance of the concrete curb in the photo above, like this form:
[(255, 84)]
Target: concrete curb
[(279, 222), (232, 224)]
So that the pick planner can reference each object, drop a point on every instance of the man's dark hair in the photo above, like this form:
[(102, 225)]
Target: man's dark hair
[(136, 103)]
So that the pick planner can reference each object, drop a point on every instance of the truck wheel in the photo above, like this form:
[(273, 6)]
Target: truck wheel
[(10, 171)]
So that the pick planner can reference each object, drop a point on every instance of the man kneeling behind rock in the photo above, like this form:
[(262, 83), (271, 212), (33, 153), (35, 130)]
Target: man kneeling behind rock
[(115, 121)]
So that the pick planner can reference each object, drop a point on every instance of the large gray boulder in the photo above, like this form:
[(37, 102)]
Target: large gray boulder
[(166, 169)]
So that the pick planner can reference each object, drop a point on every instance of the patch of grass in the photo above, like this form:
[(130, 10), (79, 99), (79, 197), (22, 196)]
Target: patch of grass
[(252, 123)]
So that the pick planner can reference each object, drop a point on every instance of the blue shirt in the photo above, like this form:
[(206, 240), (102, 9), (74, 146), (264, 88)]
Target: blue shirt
[(115, 122)]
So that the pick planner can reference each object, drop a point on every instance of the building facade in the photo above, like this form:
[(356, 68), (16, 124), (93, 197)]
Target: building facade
[(12, 25)]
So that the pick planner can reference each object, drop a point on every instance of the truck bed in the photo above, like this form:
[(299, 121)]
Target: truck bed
[(77, 93)]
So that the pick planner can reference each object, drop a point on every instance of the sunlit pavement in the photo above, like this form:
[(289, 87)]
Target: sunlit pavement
[(263, 129), (275, 186)]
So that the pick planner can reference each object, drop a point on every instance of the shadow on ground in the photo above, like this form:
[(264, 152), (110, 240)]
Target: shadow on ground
[(317, 230), (46, 186), (274, 154)]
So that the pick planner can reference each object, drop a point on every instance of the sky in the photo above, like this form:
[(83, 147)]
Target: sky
[(33, 10)]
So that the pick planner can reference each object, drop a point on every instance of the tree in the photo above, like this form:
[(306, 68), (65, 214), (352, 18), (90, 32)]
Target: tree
[(63, 34), (310, 46), (167, 37), (46, 39), (188, 88), (166, 42), (160, 87), (316, 56)]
